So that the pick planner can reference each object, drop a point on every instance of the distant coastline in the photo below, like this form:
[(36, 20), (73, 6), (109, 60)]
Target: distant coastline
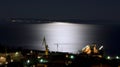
[(44, 20)]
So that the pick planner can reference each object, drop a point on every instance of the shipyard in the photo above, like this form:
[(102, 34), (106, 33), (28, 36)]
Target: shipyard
[(89, 56), (59, 33)]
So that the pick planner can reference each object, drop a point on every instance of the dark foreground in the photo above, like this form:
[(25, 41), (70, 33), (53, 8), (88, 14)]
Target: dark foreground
[(75, 62)]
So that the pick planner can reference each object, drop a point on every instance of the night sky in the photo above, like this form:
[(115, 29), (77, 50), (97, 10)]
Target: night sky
[(56, 9), (67, 34)]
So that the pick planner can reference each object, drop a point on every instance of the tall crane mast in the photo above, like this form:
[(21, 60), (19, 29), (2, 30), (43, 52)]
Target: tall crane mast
[(46, 46)]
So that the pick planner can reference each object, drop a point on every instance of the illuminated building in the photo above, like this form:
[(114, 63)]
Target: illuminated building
[(92, 50)]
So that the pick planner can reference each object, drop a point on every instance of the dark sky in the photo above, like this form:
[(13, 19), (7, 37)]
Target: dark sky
[(80, 9), (62, 9)]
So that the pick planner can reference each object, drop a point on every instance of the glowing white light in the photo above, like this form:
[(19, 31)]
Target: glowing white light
[(31, 51), (108, 57), (66, 35), (100, 47), (117, 57), (11, 60), (41, 60), (61, 23), (72, 57), (6, 62), (16, 53), (28, 61), (66, 56), (39, 57)]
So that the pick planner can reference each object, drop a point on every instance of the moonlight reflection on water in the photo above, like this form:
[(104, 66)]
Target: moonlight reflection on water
[(68, 37), (60, 36)]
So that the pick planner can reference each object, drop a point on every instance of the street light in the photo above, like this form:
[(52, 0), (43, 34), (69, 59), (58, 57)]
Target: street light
[(28, 61), (117, 57), (72, 57), (41, 60), (108, 57)]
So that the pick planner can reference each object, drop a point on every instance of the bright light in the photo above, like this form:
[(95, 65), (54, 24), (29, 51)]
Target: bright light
[(28, 61), (66, 56), (11, 60), (41, 60), (99, 56), (31, 51), (61, 23), (108, 57), (85, 47), (39, 57), (6, 62), (117, 57), (2, 59), (100, 47), (16, 53), (65, 34), (72, 57)]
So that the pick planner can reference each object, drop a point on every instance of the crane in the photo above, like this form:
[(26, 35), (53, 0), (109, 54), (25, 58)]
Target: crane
[(46, 46)]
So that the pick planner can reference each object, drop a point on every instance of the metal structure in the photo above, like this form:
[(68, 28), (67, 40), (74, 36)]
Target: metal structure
[(46, 46), (92, 50)]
